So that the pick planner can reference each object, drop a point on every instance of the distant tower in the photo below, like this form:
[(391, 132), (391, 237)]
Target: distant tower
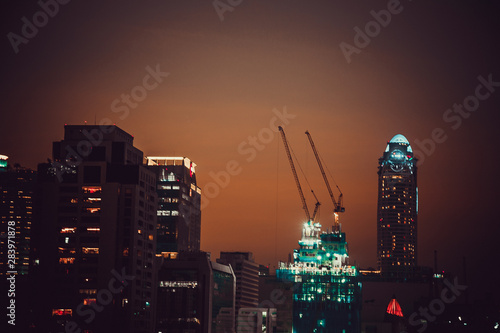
[(397, 209)]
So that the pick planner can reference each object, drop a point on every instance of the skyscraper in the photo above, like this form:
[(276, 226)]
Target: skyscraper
[(179, 214), (96, 235), (16, 216), (397, 210)]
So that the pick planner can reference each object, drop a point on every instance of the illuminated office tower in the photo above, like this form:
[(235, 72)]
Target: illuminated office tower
[(96, 234), (17, 185), (179, 215), (397, 210)]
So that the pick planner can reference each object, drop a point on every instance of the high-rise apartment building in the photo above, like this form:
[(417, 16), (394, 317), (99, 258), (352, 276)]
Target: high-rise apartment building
[(17, 186), (246, 271), (179, 214), (397, 210), (96, 234)]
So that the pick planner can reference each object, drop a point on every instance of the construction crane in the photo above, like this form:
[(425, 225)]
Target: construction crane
[(297, 182), (337, 205)]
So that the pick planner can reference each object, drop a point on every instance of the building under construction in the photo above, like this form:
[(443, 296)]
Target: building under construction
[(326, 289)]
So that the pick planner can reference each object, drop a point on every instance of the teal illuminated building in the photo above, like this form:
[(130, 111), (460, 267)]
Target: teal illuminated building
[(326, 289)]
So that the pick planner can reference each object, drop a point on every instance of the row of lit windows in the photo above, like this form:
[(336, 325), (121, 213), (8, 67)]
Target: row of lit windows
[(169, 187), (167, 213), (91, 189), (85, 200), (72, 250), (72, 230), (173, 200)]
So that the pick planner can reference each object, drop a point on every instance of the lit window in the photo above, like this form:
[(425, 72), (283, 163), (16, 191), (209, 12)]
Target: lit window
[(175, 187), (175, 213), (92, 200), (93, 230), (89, 301), (150, 237), (66, 261), (90, 250), (68, 230), (92, 210), (66, 250), (62, 312), (88, 291), (91, 189)]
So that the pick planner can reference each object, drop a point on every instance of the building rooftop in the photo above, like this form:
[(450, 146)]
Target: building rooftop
[(399, 138)]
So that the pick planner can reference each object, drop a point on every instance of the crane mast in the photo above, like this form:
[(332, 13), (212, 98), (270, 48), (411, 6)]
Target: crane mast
[(297, 182), (337, 205)]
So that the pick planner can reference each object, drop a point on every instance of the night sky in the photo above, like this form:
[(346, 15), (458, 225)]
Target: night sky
[(220, 81)]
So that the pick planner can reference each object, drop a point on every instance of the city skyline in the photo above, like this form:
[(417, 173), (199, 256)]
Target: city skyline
[(212, 85)]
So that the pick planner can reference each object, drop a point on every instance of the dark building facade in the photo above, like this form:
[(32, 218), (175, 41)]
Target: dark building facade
[(397, 210), (179, 214), (96, 234), (247, 277), (277, 294), (17, 187), (195, 295)]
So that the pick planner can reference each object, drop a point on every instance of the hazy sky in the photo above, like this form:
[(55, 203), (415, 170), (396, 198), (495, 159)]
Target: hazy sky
[(225, 78)]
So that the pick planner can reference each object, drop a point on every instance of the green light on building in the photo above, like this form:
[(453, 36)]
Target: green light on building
[(3, 161), (327, 291)]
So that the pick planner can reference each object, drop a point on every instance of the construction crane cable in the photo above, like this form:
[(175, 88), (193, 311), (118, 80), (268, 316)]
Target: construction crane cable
[(336, 204), (303, 173), (329, 173)]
